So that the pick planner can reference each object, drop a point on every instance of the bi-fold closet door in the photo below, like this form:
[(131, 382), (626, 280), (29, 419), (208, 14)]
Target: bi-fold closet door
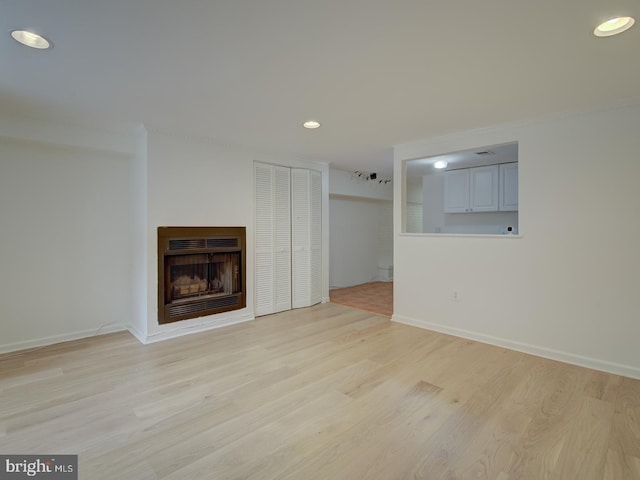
[(288, 238)]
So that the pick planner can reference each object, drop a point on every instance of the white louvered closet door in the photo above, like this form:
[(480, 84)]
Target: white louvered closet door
[(282, 239), (306, 237), (273, 238), (316, 237), (264, 190)]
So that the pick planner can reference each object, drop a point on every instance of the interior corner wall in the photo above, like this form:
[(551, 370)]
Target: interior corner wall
[(385, 241), (347, 184), (193, 182), (65, 237), (79, 210), (361, 230), (358, 243), (566, 288), (139, 289)]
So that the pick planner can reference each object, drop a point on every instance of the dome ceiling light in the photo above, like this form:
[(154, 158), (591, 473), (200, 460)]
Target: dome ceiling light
[(440, 164), (614, 26), (31, 39)]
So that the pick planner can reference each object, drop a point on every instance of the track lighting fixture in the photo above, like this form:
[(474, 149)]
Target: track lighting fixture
[(367, 177)]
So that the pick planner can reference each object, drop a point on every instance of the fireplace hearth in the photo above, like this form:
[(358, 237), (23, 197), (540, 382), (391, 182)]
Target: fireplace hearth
[(201, 271)]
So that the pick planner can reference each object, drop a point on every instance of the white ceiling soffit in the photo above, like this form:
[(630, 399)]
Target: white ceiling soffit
[(374, 73), (482, 155)]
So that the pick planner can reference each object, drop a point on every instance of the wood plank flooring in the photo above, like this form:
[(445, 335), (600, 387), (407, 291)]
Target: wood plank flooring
[(321, 393)]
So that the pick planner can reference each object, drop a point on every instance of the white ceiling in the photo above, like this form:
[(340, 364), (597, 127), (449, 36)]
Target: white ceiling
[(504, 153), (374, 72)]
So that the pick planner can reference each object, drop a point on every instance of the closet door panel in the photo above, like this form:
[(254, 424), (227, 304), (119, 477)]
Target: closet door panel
[(288, 238), (300, 238), (282, 239), (315, 227), (264, 221)]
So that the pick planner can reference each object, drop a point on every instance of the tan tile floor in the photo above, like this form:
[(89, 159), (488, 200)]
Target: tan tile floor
[(376, 297)]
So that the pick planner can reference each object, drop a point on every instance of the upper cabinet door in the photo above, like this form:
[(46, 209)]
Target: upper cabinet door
[(456, 191), (509, 187), (484, 189)]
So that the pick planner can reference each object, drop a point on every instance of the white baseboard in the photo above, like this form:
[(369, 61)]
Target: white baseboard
[(385, 274), (141, 337), (64, 337), (180, 330), (566, 357)]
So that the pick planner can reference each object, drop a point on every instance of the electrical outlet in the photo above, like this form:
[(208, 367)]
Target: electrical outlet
[(455, 296)]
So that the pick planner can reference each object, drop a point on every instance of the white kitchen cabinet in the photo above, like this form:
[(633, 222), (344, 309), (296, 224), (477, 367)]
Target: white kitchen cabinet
[(471, 190), (509, 187), (456, 191), (483, 183)]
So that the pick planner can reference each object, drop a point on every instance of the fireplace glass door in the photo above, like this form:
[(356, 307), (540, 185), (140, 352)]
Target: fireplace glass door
[(201, 276)]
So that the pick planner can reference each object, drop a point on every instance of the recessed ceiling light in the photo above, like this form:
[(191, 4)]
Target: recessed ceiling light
[(31, 39), (440, 164), (311, 124), (614, 26)]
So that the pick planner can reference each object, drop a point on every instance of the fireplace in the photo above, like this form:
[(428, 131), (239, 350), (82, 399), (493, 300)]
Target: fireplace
[(201, 271)]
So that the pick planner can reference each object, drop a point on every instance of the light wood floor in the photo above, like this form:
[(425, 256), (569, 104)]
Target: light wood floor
[(322, 393)]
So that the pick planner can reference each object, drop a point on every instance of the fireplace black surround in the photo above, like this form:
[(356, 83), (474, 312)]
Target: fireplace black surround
[(201, 271)]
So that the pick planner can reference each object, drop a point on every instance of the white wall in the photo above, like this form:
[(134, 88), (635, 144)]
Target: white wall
[(139, 266), (435, 220), (79, 210), (568, 287), (65, 237), (342, 182), (361, 230), (197, 183), (415, 211), (361, 240), (194, 183), (385, 240), (414, 190)]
